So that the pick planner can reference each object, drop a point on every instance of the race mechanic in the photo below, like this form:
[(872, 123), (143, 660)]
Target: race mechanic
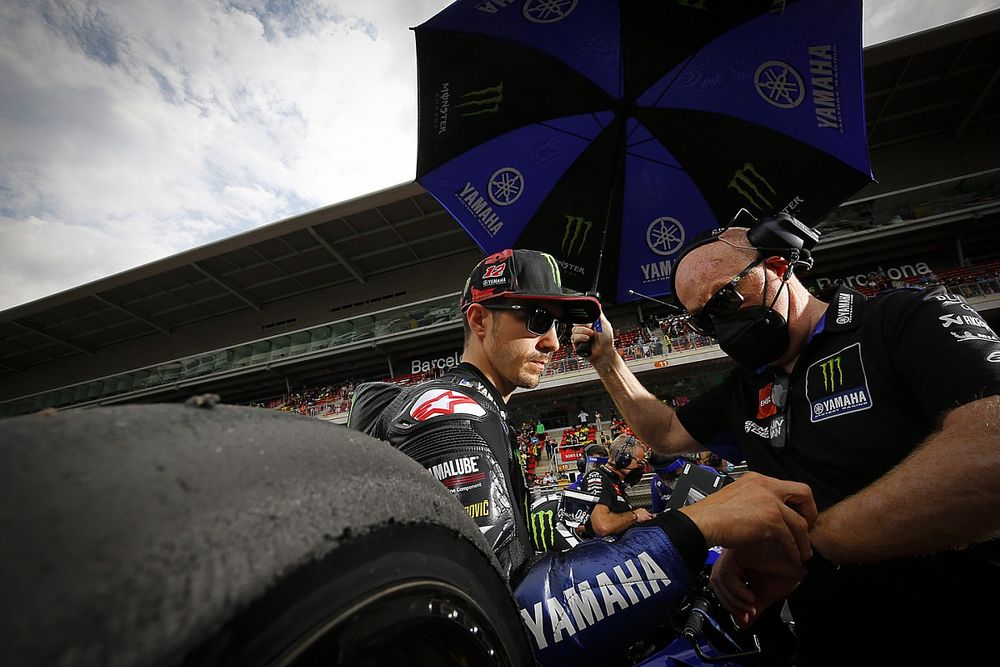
[(613, 512), (886, 407)]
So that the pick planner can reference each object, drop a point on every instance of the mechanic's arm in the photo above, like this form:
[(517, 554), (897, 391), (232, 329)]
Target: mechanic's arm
[(605, 522), (943, 495), (653, 421)]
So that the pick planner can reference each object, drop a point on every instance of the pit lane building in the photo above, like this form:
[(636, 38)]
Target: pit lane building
[(367, 288)]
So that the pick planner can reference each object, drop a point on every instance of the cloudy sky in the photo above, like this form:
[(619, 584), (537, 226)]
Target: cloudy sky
[(131, 130)]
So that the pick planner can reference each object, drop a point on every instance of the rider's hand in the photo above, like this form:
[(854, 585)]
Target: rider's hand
[(602, 344)]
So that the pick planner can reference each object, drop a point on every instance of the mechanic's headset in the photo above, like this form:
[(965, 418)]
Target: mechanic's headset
[(779, 235), (782, 235), (623, 454)]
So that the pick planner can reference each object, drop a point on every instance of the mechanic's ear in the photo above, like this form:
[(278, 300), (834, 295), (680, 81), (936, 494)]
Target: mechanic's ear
[(779, 265)]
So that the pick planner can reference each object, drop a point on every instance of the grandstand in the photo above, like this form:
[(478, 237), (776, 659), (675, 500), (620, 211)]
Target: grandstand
[(290, 315)]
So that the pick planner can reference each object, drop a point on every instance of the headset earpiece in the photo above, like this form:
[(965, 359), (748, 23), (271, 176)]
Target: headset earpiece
[(784, 236), (623, 454)]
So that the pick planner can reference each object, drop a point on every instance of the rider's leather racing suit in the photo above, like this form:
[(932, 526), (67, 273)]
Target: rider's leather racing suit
[(586, 605)]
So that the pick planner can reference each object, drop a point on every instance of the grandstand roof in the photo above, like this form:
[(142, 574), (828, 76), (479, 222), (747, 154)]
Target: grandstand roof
[(937, 83)]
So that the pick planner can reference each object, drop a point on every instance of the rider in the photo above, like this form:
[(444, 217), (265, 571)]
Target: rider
[(456, 426)]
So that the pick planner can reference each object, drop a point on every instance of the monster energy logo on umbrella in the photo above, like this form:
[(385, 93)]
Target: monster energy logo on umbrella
[(478, 102), (576, 228), (752, 186)]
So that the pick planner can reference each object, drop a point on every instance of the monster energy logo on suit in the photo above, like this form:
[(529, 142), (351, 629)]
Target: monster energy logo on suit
[(837, 385), (543, 530)]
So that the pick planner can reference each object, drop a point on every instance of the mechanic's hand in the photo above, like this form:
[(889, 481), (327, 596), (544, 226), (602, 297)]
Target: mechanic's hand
[(766, 522), (602, 345), (756, 509), (747, 581), (642, 514)]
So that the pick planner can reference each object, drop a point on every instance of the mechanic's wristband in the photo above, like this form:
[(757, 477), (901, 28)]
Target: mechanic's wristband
[(686, 537)]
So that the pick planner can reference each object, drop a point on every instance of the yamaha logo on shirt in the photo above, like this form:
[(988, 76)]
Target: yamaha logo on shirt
[(837, 385)]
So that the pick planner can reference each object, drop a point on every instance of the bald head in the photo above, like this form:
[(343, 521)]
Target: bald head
[(707, 268)]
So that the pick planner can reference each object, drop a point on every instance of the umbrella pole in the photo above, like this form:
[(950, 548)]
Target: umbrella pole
[(616, 176), (583, 348)]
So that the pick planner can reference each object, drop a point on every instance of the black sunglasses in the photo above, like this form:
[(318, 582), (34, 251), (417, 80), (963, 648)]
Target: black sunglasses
[(537, 321), (722, 304)]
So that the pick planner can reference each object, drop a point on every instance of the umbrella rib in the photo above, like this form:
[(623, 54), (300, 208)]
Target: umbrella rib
[(597, 120), (687, 61), (654, 161), (567, 132)]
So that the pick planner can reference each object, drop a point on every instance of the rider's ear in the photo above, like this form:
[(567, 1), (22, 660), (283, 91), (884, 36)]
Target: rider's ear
[(477, 316)]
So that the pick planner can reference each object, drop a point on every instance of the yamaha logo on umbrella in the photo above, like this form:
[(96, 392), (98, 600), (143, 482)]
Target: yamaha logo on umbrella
[(779, 84), (548, 11), (665, 236), (825, 86), (505, 186)]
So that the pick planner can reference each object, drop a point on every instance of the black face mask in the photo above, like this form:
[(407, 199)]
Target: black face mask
[(753, 337), (632, 477)]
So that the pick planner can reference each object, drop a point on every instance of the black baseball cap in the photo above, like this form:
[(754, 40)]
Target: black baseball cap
[(516, 275)]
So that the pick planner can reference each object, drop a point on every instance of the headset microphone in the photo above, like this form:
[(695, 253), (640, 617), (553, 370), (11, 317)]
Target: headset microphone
[(662, 303)]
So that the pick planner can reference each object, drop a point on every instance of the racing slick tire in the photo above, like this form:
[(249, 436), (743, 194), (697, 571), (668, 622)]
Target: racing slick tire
[(223, 535)]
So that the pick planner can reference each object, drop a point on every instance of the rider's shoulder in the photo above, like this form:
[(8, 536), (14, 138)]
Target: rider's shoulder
[(439, 400)]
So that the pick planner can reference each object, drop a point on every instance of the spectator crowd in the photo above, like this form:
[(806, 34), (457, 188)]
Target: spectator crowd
[(652, 338)]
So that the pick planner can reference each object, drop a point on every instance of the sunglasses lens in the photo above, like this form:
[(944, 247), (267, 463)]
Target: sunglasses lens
[(540, 321), (725, 302), (701, 323)]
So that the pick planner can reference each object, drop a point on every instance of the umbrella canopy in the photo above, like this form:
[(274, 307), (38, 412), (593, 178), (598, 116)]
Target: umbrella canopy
[(624, 130)]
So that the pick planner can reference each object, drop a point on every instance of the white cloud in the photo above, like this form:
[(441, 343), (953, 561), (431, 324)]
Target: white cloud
[(889, 19), (135, 130), (131, 130)]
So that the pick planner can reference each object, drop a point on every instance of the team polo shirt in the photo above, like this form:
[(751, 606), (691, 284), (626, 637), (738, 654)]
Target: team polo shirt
[(610, 492), (609, 488), (873, 382)]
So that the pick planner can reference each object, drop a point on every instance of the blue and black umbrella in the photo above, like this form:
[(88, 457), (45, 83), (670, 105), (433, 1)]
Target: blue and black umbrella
[(595, 129)]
